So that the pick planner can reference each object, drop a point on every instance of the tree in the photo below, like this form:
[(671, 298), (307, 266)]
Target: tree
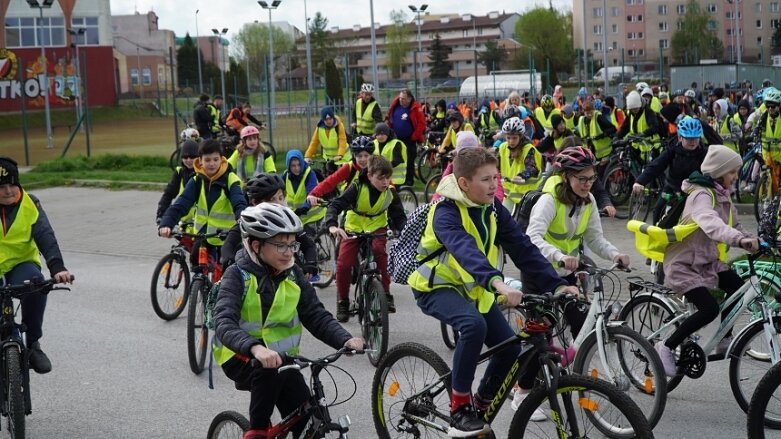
[(439, 54), (187, 63), (776, 41), (333, 83), (492, 56), (548, 34), (399, 42), (696, 36), (322, 46), (252, 43)]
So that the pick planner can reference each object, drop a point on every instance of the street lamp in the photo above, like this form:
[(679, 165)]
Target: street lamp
[(44, 4), (309, 77), (373, 34), (75, 44), (198, 53), (219, 36), (416, 10), (271, 76), (735, 15)]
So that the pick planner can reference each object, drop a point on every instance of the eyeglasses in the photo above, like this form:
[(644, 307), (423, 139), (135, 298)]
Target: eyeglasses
[(283, 248), (587, 180), (189, 157)]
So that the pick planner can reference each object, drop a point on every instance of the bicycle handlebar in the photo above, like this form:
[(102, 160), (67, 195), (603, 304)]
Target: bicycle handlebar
[(387, 234), (299, 362), (34, 286)]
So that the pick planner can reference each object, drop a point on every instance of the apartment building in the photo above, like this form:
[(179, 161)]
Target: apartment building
[(146, 65)]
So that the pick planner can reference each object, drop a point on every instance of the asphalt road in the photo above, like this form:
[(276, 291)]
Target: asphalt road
[(121, 372)]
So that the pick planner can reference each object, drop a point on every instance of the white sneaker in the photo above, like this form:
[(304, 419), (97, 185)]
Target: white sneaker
[(518, 398)]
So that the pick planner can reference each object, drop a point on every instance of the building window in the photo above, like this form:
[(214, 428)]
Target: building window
[(634, 36), (712, 25), (147, 74), (598, 29), (636, 52), (759, 24), (634, 18), (90, 26), (634, 2), (615, 28), (664, 44), (681, 9), (597, 12), (615, 45), (711, 8), (663, 26), (598, 47), (774, 23), (134, 77), (774, 7), (32, 32), (614, 11), (662, 10), (680, 25)]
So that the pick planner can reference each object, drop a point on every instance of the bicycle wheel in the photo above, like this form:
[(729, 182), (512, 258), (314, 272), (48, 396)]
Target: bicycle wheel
[(270, 147), (745, 371), (411, 393), (431, 187), (763, 193), (648, 315), (326, 258), (747, 178), (449, 335), (170, 286), (228, 425), (765, 407), (408, 199), (618, 182), (426, 164), (14, 391), (175, 159), (640, 206), (633, 365), (374, 321), (597, 410), (197, 332)]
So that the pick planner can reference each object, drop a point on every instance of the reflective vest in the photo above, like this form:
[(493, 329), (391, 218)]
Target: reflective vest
[(219, 216), (296, 199), (602, 146), (491, 124), (280, 332), (656, 105), (445, 270), (18, 245), (651, 141), (614, 117), (364, 121), (569, 122), (772, 151), (466, 126), (249, 171), (191, 214), (558, 235), (510, 168), (399, 176), (726, 132), (557, 142), (215, 113), (329, 141), (546, 123), (367, 218)]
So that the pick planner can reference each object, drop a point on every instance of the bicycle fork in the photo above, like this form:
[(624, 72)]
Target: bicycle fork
[(551, 373)]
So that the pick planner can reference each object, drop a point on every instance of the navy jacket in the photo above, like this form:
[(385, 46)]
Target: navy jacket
[(192, 191), (43, 234)]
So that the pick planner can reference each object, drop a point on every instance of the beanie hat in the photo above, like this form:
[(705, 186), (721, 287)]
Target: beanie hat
[(555, 120), (326, 111), (190, 148), (466, 139), (719, 161), (633, 100), (745, 104), (9, 173), (609, 101), (382, 128), (567, 110), (671, 112)]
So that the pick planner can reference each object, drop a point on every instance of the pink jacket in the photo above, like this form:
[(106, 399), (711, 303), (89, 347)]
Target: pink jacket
[(499, 188)]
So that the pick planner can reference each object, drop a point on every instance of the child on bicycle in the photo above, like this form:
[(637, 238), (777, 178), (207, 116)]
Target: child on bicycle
[(330, 135), (387, 145), (251, 157), (459, 286), (300, 179), (457, 125), (182, 174), (264, 302), (361, 149), (519, 163), (696, 264), (26, 232), (468, 139), (372, 206)]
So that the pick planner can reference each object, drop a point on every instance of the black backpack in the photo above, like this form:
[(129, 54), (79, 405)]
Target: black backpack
[(523, 210)]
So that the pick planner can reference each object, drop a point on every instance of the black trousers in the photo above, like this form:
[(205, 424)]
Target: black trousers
[(412, 152), (33, 304)]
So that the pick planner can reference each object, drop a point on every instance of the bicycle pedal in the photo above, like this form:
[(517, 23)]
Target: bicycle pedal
[(716, 357)]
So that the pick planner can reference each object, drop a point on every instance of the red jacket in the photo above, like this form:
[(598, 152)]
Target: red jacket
[(332, 181), (418, 119)]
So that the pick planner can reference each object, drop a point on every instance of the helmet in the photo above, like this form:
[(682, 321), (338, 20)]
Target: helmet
[(189, 148), (690, 93), (456, 116), (758, 96), (189, 134), (663, 95), (598, 104), (511, 111), (647, 92), (772, 95), (689, 128), (583, 92), (263, 186), (267, 220), (633, 100), (523, 113), (575, 158), (249, 131), (640, 86), (362, 143), (513, 125), (546, 101), (367, 88)]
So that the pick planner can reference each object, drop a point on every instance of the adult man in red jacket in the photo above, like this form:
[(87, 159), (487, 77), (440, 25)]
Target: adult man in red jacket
[(405, 117)]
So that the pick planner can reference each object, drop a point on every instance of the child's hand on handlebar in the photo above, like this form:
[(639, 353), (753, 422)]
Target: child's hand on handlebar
[(749, 244), (312, 200), (514, 296), (610, 211), (268, 358), (355, 343), (637, 188), (338, 232), (569, 263), (621, 259), (165, 232)]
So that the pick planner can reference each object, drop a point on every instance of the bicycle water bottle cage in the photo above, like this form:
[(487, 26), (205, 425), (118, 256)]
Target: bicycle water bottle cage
[(692, 361)]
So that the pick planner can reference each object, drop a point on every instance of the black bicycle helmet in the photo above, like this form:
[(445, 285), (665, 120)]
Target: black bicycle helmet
[(575, 158), (456, 116), (362, 143), (263, 186)]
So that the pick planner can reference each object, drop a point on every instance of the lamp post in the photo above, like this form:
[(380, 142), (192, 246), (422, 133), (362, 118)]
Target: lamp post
[(219, 35), (604, 44), (417, 10), (309, 77), (44, 4), (198, 53), (271, 76), (373, 33), (75, 33), (474, 46)]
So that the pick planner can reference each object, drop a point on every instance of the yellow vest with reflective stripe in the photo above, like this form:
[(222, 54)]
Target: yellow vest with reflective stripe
[(546, 123), (367, 218), (399, 175), (329, 141), (215, 113), (558, 235), (510, 168), (491, 124), (219, 216), (642, 125), (18, 245), (281, 332), (297, 198), (364, 121), (725, 132), (445, 270), (191, 214), (603, 146), (656, 105), (454, 134), (773, 151), (569, 122)]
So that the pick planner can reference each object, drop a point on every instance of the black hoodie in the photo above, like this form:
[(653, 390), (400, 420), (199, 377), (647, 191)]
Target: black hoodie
[(679, 164)]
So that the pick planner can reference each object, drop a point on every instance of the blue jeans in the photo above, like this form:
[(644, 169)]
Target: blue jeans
[(449, 306), (34, 304)]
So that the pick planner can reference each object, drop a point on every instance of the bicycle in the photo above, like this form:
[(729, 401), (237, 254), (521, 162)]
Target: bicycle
[(315, 411), (432, 162), (170, 297), (764, 410), (15, 401), (426, 155), (748, 175), (411, 390), (630, 155)]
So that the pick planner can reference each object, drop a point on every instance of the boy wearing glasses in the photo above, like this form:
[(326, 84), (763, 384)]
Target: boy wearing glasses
[(182, 174)]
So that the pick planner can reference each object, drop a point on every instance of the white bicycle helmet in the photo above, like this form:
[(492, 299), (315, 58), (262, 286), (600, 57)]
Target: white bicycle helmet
[(367, 88), (640, 86), (267, 220), (189, 134), (690, 93), (772, 96), (513, 125), (647, 92)]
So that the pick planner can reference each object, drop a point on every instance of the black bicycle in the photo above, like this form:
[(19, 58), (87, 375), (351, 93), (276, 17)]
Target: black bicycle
[(171, 279)]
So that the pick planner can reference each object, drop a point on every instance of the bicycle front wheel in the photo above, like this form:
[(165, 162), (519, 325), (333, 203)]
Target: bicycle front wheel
[(618, 182), (765, 407), (590, 408), (374, 324), (631, 364), (175, 159), (411, 393), (14, 391), (228, 425), (325, 245), (408, 199), (170, 286), (746, 370), (431, 187), (763, 193), (197, 332), (639, 206), (426, 164)]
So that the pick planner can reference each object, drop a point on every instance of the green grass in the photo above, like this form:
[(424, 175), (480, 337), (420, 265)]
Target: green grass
[(116, 168)]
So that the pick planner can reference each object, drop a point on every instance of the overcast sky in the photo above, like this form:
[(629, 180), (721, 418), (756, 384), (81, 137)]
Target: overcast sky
[(179, 15)]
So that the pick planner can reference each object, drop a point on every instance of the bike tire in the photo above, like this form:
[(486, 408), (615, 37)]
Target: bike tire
[(757, 409), (426, 164), (408, 199), (618, 183), (402, 374), (228, 425), (639, 206), (14, 392), (745, 177), (197, 332), (745, 371), (431, 187), (269, 147), (325, 245), (763, 193), (588, 389), (647, 386), (449, 335), (168, 303), (175, 159), (659, 275), (374, 324)]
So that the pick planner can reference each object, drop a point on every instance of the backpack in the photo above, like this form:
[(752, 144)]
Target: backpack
[(402, 257), (523, 211)]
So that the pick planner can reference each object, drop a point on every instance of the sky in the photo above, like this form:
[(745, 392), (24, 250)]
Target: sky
[(179, 15)]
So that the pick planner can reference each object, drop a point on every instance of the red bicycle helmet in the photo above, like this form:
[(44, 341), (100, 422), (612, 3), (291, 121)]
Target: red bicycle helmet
[(575, 158)]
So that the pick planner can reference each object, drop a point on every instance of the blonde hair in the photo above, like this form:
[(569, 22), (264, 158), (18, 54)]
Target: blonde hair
[(242, 147)]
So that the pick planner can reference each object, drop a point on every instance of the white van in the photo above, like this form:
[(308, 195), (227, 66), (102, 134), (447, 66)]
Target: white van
[(614, 73)]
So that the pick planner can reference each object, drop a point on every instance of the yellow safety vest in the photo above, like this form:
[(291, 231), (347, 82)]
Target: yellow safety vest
[(492, 124), (446, 271), (510, 168), (191, 214), (642, 125), (296, 198), (772, 151), (219, 216), (366, 218), (364, 121), (546, 123), (454, 134), (557, 142), (603, 146), (18, 245), (557, 234), (614, 118), (656, 105), (400, 171), (329, 141), (215, 113), (280, 332), (724, 130), (569, 122), (249, 165)]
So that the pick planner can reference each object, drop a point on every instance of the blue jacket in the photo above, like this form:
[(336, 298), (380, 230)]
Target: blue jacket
[(42, 232), (295, 180)]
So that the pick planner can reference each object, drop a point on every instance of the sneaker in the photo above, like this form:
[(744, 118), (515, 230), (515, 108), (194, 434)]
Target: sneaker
[(342, 310), (391, 304), (518, 398), (567, 355), (668, 359), (39, 362), (721, 349), (464, 422)]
